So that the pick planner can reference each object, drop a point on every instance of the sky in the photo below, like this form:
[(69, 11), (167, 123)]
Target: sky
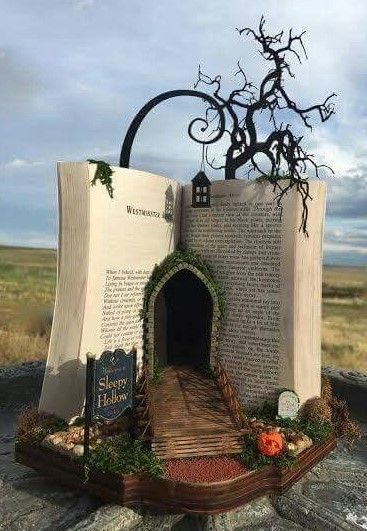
[(75, 72)]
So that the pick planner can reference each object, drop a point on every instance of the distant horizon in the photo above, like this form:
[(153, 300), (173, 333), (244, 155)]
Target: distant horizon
[(24, 246)]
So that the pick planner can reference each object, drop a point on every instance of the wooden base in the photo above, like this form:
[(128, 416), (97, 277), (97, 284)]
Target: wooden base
[(173, 496)]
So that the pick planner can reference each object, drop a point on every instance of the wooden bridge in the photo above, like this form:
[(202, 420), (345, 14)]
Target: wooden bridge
[(190, 414)]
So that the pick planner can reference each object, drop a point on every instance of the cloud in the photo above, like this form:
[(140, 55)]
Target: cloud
[(71, 87), (347, 245), (82, 5), (347, 196), (21, 163), (344, 247)]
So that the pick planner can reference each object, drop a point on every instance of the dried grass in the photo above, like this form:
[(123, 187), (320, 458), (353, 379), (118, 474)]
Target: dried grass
[(16, 347), (33, 426), (28, 279)]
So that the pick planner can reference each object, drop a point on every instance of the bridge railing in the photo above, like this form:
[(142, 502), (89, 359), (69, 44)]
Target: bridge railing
[(143, 406), (230, 395)]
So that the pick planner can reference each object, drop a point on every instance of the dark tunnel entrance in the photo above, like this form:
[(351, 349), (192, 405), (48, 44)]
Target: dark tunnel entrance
[(183, 314)]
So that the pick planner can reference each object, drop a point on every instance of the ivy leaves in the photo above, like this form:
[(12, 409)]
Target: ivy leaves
[(103, 174)]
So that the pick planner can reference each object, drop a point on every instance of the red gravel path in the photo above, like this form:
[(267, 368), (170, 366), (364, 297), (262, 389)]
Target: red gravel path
[(203, 469)]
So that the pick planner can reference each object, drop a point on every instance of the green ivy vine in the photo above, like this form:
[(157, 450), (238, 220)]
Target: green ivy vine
[(172, 260), (103, 174)]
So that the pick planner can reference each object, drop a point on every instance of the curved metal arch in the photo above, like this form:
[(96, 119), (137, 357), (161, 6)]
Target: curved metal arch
[(135, 124)]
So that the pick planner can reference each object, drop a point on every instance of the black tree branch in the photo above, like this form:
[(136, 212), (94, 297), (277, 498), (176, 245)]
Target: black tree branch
[(287, 158)]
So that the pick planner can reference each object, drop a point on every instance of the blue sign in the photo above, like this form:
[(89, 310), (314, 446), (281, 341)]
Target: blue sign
[(114, 379)]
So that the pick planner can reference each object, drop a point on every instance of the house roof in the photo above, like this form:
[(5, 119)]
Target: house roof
[(200, 179)]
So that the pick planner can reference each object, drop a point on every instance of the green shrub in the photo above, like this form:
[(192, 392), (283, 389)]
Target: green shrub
[(122, 455), (267, 412)]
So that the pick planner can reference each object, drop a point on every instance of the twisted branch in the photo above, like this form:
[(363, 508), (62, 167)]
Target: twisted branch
[(282, 148)]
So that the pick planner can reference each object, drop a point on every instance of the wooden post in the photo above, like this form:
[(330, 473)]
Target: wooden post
[(88, 412), (132, 412)]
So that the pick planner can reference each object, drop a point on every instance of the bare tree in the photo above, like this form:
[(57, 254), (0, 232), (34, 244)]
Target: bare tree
[(282, 150), (286, 160)]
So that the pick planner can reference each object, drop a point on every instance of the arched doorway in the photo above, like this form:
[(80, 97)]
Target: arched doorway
[(183, 321), (197, 316)]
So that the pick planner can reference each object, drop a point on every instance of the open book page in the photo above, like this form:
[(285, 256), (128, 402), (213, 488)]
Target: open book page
[(270, 275), (127, 236)]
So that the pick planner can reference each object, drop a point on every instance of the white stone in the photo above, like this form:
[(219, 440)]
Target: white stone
[(78, 450), (288, 404)]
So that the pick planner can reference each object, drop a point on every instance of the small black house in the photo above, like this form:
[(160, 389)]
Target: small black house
[(200, 190)]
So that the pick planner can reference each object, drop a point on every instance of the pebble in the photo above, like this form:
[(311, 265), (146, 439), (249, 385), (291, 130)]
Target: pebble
[(78, 450)]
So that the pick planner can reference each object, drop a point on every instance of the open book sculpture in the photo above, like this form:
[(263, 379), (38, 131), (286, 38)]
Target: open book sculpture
[(218, 294), (269, 273), (184, 363)]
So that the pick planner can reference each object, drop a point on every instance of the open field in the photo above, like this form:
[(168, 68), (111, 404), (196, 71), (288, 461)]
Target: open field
[(344, 318), (27, 289)]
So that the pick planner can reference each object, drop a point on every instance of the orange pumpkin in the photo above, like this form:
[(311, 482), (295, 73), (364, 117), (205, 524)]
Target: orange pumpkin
[(270, 444)]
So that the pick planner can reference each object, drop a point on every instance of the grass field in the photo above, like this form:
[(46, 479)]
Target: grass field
[(27, 289), (344, 318)]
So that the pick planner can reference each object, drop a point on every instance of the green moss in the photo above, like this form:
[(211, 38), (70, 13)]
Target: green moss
[(253, 459), (285, 460), (272, 179), (319, 432), (267, 412), (103, 174), (207, 369), (122, 455), (157, 371), (172, 260)]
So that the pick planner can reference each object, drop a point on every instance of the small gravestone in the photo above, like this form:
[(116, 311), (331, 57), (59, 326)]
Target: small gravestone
[(288, 405), (114, 380)]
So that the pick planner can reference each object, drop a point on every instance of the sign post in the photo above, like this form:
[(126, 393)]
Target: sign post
[(88, 415), (110, 388)]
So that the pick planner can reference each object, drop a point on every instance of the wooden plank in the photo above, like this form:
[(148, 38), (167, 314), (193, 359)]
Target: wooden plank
[(194, 419), (196, 444), (186, 425), (168, 431), (202, 438), (180, 454), (201, 441), (197, 450)]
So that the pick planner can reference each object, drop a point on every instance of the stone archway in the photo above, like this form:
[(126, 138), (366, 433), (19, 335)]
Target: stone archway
[(150, 329)]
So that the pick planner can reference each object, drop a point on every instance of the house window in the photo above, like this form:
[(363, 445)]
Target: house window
[(200, 190)]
